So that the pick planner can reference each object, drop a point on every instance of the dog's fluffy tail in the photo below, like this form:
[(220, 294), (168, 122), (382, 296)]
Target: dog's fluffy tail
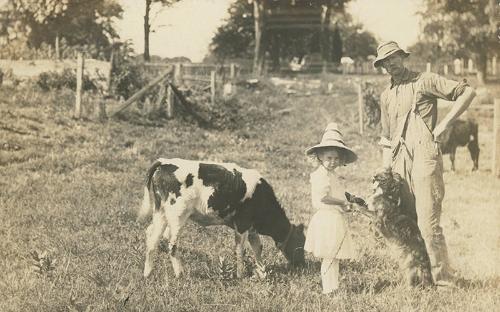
[(146, 208)]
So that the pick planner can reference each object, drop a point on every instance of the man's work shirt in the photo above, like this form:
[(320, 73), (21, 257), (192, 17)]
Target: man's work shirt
[(397, 99)]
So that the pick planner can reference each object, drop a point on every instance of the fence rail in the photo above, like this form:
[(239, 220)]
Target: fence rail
[(32, 68)]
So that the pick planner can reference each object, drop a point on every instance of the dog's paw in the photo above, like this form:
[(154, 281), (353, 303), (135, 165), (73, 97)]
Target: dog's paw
[(355, 200)]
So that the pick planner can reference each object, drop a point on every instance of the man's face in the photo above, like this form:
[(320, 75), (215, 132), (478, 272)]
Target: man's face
[(393, 64)]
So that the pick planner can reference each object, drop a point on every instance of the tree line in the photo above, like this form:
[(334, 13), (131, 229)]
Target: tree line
[(256, 29)]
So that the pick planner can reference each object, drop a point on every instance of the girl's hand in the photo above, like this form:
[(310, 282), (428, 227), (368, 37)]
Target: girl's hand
[(346, 207)]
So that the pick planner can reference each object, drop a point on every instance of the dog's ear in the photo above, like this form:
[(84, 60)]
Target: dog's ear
[(378, 191), (348, 196), (398, 178)]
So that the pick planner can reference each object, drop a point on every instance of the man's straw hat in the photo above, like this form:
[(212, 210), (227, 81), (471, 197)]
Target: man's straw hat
[(387, 49), (333, 138)]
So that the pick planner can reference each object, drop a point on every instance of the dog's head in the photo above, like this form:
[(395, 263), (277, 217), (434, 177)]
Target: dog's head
[(386, 196)]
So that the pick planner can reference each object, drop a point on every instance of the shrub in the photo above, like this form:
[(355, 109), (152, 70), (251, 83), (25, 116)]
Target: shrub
[(128, 75), (128, 78), (53, 80)]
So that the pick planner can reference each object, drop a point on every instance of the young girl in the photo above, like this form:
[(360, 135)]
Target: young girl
[(327, 235)]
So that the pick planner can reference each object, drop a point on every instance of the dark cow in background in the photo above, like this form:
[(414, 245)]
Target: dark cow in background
[(216, 194), (461, 133)]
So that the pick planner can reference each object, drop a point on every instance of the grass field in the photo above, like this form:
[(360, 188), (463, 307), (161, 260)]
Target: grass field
[(69, 191)]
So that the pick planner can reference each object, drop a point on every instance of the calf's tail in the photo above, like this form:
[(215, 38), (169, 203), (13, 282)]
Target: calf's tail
[(146, 208)]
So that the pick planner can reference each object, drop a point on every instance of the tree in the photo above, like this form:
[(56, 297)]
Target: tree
[(235, 38), (80, 22), (147, 22), (463, 27), (358, 43), (429, 51), (337, 46)]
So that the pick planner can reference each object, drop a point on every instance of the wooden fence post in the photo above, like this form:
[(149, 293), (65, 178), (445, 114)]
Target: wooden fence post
[(496, 138), (494, 65), (161, 97), (428, 68), (79, 84), (360, 108), (232, 72), (177, 79), (170, 102), (212, 86), (445, 69), (470, 66), (101, 110), (110, 73)]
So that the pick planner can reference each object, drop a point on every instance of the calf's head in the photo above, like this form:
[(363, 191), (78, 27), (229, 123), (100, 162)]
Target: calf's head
[(293, 246)]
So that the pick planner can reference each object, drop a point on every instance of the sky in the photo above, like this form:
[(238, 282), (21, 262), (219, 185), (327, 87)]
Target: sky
[(189, 25), (389, 19), (185, 29)]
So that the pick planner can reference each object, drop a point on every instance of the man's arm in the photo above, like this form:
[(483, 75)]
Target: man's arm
[(461, 104), (386, 153)]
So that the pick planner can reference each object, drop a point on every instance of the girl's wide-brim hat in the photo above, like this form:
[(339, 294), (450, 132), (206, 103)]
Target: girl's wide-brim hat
[(386, 49), (333, 138)]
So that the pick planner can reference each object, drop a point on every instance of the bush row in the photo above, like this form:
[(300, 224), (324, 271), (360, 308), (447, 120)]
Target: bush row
[(54, 80)]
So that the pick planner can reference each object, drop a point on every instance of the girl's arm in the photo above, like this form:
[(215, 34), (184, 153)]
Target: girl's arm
[(330, 200)]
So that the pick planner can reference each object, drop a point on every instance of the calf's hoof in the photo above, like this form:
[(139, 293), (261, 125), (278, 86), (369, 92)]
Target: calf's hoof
[(178, 268), (147, 270), (260, 270)]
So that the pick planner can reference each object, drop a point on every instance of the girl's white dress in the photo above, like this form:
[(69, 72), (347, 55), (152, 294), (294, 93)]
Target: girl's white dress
[(328, 234)]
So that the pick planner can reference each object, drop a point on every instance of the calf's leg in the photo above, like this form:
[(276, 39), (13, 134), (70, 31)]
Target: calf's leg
[(474, 154), (153, 236), (240, 245), (177, 215), (452, 158), (255, 243)]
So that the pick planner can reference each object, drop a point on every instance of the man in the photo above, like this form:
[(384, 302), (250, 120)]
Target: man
[(409, 118)]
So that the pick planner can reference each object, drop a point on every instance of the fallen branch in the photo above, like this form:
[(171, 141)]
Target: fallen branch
[(203, 122), (141, 92)]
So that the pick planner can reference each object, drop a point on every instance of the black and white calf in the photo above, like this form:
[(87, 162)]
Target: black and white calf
[(216, 194)]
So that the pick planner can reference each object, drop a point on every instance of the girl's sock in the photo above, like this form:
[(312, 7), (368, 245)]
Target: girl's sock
[(330, 275)]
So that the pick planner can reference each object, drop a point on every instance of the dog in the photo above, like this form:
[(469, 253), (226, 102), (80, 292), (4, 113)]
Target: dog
[(397, 225)]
